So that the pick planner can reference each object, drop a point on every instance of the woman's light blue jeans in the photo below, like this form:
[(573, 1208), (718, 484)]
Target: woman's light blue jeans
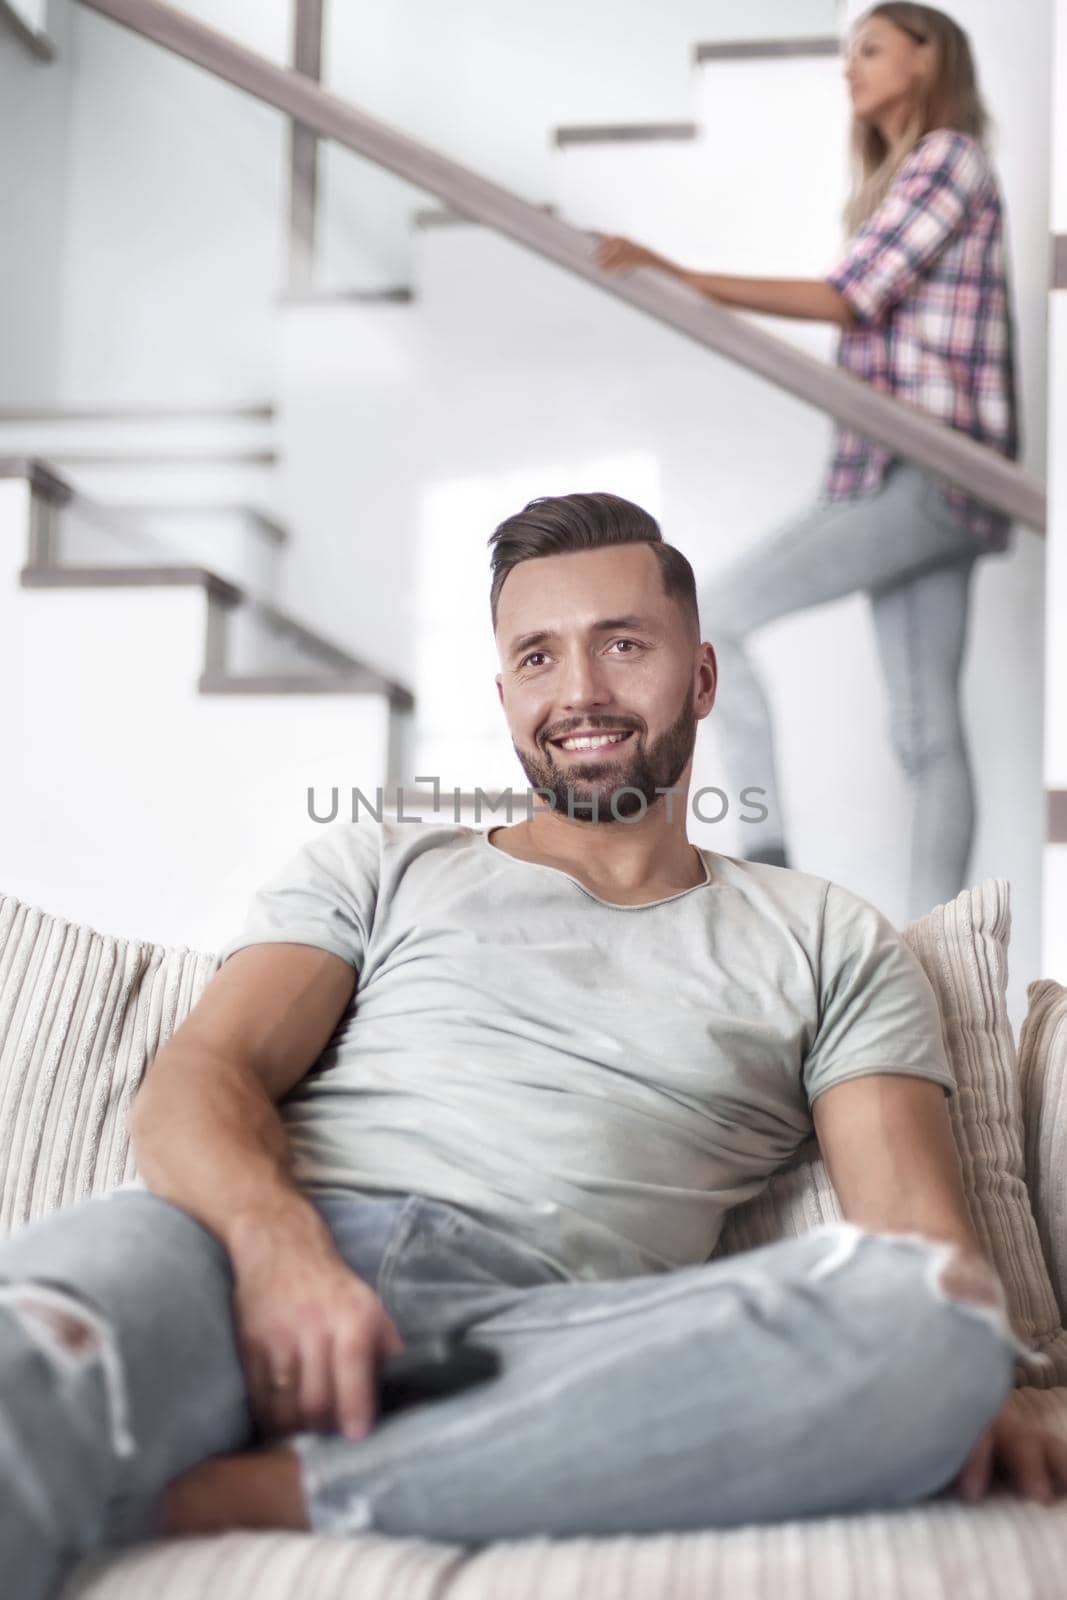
[(830, 1373), (905, 550)]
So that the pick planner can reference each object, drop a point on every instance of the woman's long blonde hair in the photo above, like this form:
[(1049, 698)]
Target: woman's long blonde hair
[(949, 98)]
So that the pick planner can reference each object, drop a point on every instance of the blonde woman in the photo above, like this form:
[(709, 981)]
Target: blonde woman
[(922, 296)]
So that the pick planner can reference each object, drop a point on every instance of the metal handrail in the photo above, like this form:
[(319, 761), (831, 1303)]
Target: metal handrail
[(903, 428)]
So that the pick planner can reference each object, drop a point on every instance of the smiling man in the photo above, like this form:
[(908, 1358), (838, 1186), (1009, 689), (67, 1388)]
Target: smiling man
[(603, 681), (508, 1085)]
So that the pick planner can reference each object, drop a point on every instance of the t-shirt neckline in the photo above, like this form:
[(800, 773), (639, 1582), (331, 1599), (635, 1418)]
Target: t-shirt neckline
[(613, 905)]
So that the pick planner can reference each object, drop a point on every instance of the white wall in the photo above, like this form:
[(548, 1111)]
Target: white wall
[(149, 251), (355, 411), (174, 227), (34, 104)]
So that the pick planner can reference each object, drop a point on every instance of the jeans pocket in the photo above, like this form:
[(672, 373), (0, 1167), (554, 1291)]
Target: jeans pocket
[(444, 1270), (426, 1247)]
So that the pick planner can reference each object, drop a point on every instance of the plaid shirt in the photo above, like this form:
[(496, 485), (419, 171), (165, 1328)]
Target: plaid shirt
[(926, 278)]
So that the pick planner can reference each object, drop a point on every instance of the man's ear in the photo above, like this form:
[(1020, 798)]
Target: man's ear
[(709, 666), (500, 687)]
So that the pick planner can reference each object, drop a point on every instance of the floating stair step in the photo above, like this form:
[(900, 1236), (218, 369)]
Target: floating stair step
[(765, 49), (149, 436), (445, 217), (41, 479), (624, 133), (147, 577), (340, 674), (127, 456), (252, 411), (401, 294), (350, 680)]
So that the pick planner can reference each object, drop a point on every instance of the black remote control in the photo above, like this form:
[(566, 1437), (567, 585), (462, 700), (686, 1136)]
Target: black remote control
[(432, 1369)]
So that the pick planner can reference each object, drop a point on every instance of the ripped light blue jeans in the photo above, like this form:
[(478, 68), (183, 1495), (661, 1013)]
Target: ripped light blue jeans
[(904, 549), (831, 1373)]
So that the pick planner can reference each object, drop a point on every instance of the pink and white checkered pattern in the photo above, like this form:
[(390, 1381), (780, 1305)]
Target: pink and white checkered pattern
[(927, 279)]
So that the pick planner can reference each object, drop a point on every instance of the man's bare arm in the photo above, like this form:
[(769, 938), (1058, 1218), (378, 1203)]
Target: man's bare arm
[(208, 1138), (892, 1157), (205, 1127), (890, 1151)]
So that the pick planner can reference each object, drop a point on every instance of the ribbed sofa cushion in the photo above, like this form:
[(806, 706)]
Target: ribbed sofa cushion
[(81, 1013), (1043, 1076)]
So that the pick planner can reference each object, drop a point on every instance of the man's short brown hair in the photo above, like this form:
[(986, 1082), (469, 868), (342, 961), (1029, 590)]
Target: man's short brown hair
[(563, 524)]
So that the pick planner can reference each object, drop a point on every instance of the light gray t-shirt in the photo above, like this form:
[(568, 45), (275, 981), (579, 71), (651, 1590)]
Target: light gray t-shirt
[(603, 1082)]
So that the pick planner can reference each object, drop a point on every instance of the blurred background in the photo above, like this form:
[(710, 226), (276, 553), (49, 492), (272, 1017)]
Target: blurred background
[(262, 403)]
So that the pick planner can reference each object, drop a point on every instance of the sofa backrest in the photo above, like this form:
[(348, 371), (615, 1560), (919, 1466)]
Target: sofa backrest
[(81, 1016)]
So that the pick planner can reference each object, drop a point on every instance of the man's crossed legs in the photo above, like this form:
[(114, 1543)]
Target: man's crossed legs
[(842, 1371)]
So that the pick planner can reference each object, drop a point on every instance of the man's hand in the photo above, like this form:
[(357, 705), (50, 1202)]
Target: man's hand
[(303, 1316), (1022, 1452)]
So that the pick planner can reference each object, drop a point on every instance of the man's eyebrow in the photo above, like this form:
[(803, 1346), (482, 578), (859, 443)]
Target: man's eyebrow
[(526, 641)]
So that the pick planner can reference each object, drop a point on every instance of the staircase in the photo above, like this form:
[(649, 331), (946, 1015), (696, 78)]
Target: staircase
[(193, 484), (175, 724)]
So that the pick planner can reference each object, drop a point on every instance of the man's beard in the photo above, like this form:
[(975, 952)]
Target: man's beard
[(584, 790)]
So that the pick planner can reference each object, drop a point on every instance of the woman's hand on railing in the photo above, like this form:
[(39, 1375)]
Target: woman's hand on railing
[(614, 254)]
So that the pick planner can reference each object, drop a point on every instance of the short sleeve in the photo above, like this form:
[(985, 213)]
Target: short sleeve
[(877, 1009), (324, 895), (926, 205)]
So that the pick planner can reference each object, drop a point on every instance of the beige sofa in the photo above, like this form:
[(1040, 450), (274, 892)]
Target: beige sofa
[(81, 1015)]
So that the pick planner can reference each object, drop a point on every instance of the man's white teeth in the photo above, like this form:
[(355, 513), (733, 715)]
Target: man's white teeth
[(592, 741)]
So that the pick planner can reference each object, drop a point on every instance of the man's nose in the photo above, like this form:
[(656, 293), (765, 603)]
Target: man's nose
[(583, 683)]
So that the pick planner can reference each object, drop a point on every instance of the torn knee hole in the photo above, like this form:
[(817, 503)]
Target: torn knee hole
[(72, 1330), (968, 1277), (79, 1340)]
